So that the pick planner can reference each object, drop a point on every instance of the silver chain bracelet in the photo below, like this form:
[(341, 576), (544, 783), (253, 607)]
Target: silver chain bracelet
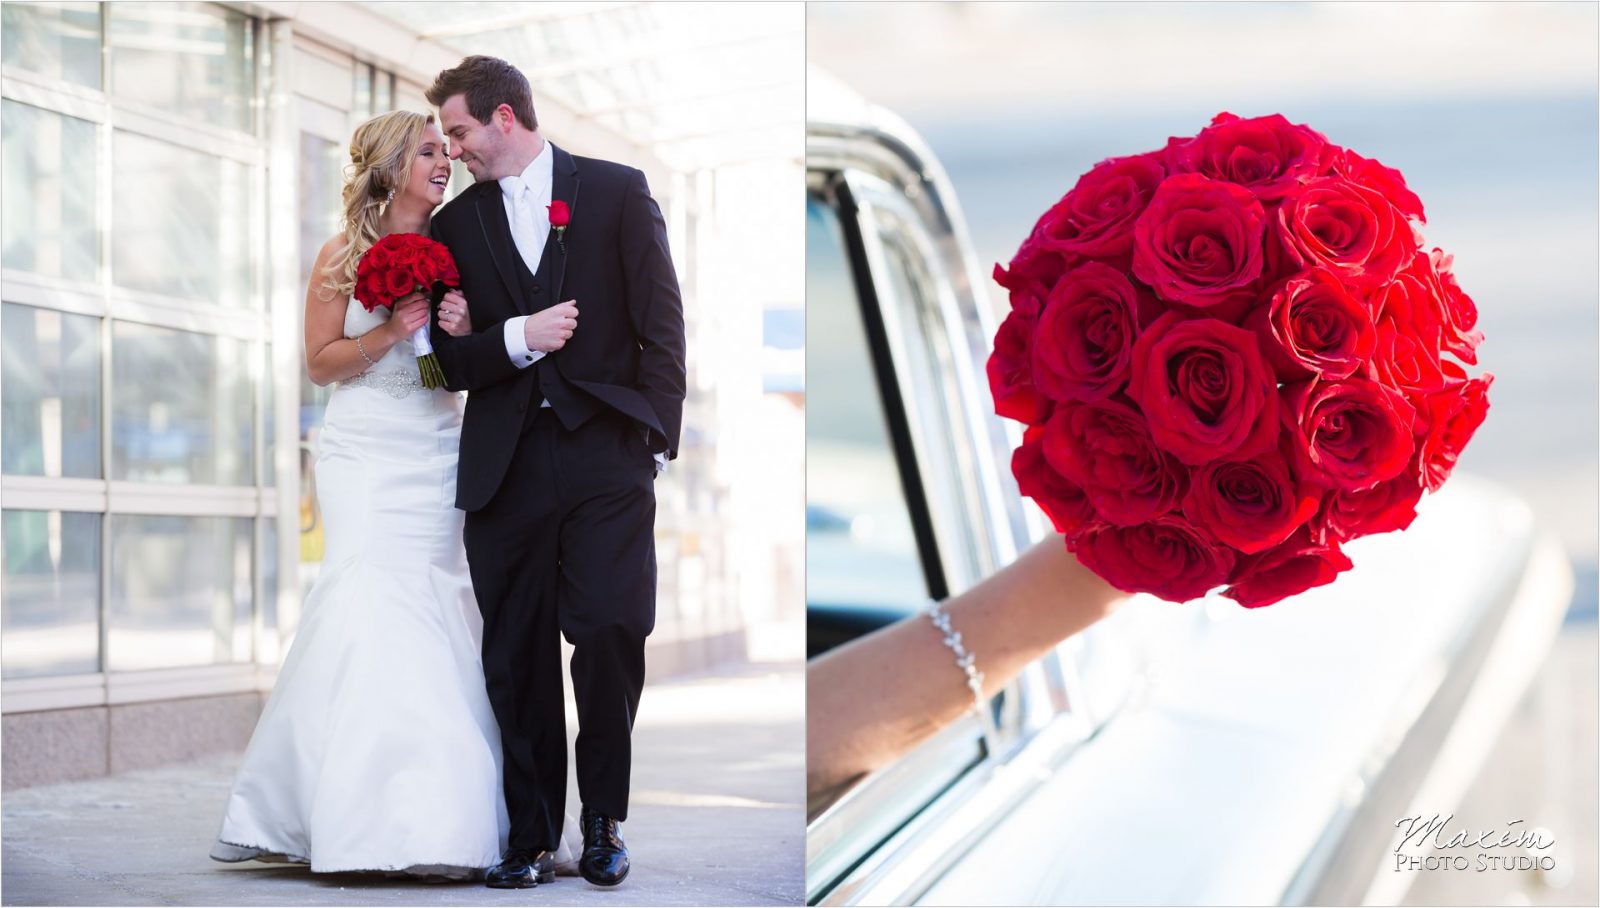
[(967, 662), (362, 350)]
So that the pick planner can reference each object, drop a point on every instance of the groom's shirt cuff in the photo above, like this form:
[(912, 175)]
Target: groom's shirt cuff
[(517, 344)]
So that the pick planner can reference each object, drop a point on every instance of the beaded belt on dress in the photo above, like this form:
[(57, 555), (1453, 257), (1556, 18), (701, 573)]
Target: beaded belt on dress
[(397, 383)]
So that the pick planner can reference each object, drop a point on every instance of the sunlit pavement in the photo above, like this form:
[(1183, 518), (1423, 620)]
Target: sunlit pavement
[(717, 818)]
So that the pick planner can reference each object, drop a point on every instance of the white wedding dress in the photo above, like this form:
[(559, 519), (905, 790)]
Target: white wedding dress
[(377, 749)]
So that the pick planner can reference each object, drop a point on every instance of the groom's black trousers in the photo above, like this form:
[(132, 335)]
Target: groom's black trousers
[(566, 547)]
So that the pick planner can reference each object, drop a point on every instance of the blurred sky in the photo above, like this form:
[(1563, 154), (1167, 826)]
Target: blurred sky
[(1489, 109)]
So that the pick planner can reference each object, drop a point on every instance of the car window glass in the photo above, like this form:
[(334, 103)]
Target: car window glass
[(860, 549)]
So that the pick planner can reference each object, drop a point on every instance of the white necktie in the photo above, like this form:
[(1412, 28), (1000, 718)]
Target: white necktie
[(523, 227)]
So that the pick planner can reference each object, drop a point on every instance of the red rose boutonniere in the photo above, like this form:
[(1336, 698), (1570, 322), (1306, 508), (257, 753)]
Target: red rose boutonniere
[(560, 216)]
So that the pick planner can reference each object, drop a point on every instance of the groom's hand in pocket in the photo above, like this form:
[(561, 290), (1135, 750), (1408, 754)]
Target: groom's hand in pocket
[(550, 329)]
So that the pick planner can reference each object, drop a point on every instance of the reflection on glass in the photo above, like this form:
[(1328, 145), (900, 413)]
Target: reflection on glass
[(180, 591), (51, 393), (57, 40), (51, 606), (181, 407), (321, 176), (181, 223), (269, 428), (50, 220), (192, 59), (270, 635), (860, 549)]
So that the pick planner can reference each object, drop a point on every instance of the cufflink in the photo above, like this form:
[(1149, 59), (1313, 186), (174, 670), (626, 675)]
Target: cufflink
[(528, 359)]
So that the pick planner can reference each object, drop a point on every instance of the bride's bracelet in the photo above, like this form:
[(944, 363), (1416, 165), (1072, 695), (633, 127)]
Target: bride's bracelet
[(967, 663), (363, 352)]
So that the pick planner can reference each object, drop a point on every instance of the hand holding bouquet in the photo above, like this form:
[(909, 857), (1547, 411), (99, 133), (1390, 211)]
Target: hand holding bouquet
[(398, 265), (1232, 356)]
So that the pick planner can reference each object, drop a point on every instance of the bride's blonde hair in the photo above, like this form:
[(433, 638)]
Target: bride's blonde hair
[(381, 154)]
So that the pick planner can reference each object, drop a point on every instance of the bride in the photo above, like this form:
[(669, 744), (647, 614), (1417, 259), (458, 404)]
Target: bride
[(378, 750)]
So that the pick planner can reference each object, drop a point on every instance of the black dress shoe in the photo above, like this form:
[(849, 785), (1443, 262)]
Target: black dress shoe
[(605, 858), (521, 868)]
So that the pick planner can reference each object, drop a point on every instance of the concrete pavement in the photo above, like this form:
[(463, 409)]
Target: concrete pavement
[(717, 818)]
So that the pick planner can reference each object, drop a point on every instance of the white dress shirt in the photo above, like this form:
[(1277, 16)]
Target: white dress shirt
[(527, 199)]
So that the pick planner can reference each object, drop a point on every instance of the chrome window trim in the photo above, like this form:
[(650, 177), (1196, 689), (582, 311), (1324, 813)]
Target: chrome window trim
[(848, 860)]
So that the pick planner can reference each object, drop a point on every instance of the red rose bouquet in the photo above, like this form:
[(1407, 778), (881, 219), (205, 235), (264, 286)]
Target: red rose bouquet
[(1233, 355), (398, 265)]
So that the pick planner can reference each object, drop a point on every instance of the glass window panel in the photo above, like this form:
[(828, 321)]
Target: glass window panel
[(180, 591), (860, 548), (51, 607), (383, 92), (321, 176), (51, 225), (182, 223), (181, 407), (51, 393), (270, 635), (363, 106), (58, 40), (193, 59), (269, 427)]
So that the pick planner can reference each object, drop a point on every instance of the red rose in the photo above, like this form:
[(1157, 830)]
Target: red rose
[(1011, 375), (1026, 290), (1200, 241), (560, 214), (1453, 415), (1350, 229), (1312, 326), (1375, 176), (1294, 566), (1105, 448), (1205, 388), (397, 282), (1405, 353), (1457, 312), (1061, 501), (1096, 218), (1251, 505), (1390, 505), (1354, 434), (1167, 557), (1084, 350), (1267, 155)]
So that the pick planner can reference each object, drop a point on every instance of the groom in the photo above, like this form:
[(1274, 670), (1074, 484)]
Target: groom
[(565, 429)]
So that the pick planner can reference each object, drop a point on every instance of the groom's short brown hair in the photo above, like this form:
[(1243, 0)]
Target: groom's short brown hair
[(487, 83)]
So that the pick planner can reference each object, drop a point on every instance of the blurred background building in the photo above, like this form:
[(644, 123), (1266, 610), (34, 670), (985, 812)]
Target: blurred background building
[(1490, 111), (170, 170)]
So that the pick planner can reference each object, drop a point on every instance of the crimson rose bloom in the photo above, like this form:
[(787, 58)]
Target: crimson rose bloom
[(1354, 434), (1267, 155), (1166, 556), (1205, 388), (1388, 506), (1313, 326), (1453, 416), (1085, 347), (1251, 505), (1064, 503), (1200, 241), (1010, 378), (560, 214), (1457, 312), (1294, 566), (1105, 448), (1095, 219), (1405, 353), (1385, 180), (1348, 228)]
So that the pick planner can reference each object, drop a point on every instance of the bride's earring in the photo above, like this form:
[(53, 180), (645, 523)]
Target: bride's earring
[(390, 198)]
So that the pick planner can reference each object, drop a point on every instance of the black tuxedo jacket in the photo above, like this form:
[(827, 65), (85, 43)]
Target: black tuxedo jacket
[(628, 349)]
